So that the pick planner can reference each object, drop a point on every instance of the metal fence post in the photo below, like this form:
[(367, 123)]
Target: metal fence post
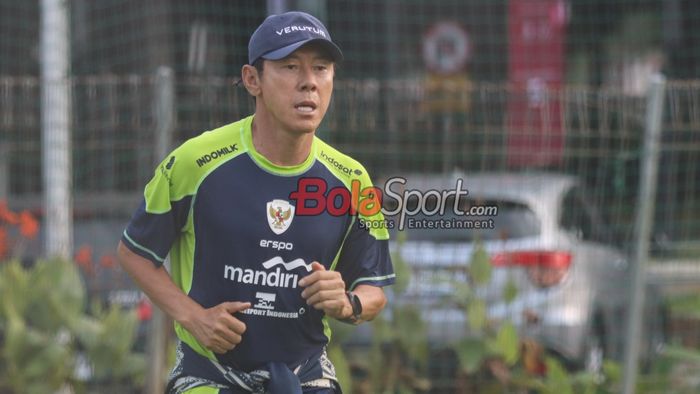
[(165, 122), (4, 172), (643, 223), (55, 128)]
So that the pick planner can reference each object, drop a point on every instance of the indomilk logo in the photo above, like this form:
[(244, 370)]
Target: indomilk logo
[(276, 278), (216, 154)]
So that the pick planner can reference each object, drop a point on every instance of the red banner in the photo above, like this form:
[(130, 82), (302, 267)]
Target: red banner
[(536, 32)]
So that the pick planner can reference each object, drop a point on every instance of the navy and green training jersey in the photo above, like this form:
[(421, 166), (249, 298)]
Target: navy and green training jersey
[(224, 214)]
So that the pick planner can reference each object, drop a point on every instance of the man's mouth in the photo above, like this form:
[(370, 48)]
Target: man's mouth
[(306, 107)]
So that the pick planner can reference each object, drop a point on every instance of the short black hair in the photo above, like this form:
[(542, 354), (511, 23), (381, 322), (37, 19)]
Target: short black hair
[(259, 65)]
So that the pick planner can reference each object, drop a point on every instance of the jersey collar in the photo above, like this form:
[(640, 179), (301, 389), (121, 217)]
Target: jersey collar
[(263, 162)]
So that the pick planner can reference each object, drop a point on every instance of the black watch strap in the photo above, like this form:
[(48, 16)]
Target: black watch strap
[(356, 308)]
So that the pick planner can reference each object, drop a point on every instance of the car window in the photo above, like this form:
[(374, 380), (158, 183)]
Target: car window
[(500, 220), (579, 218)]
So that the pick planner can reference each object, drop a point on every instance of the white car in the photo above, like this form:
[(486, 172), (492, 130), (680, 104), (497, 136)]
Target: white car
[(545, 237)]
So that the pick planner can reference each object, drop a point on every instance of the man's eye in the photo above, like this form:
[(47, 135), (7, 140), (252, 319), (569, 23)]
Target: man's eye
[(291, 66)]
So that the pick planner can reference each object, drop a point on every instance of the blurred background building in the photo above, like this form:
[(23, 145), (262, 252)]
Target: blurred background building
[(426, 86)]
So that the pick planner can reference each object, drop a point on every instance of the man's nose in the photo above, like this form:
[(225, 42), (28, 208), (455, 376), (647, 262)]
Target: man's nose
[(307, 79)]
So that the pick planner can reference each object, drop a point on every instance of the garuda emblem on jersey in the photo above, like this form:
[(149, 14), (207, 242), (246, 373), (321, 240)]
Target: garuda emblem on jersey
[(279, 215)]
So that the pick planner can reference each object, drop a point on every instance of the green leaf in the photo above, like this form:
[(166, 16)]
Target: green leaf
[(476, 315), (68, 290), (401, 238), (401, 268), (36, 361), (16, 293), (58, 294), (480, 267), (557, 381), (462, 292), (109, 343), (612, 370), (50, 363), (404, 389), (524, 381), (682, 354), (510, 291), (403, 274), (688, 305), (87, 329), (411, 333), (508, 344), (381, 330), (43, 319), (471, 353)]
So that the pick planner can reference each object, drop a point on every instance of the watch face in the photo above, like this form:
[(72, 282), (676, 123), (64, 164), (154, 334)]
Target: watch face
[(356, 305)]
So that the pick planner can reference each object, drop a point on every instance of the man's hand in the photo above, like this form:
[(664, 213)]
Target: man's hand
[(325, 290), (216, 328)]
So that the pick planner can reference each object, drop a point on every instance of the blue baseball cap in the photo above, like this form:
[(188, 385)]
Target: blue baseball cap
[(280, 35)]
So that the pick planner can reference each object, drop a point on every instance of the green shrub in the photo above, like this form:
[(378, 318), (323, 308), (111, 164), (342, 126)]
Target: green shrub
[(46, 329)]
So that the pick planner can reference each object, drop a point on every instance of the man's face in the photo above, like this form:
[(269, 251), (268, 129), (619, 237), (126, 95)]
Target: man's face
[(296, 90)]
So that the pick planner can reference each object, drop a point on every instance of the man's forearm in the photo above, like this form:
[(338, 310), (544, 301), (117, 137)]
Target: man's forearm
[(158, 286), (372, 299)]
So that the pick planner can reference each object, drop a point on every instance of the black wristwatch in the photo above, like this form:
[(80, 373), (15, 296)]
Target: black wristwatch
[(356, 308)]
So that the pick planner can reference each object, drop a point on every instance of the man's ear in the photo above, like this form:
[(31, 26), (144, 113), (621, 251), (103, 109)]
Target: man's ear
[(251, 79)]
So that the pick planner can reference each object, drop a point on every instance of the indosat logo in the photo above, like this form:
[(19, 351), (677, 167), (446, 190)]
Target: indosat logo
[(340, 166), (313, 197)]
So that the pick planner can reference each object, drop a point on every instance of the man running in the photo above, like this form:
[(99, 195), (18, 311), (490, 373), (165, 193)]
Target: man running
[(263, 244)]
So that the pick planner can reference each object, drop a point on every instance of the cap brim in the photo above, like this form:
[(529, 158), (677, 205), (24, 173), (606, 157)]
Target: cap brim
[(281, 53)]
